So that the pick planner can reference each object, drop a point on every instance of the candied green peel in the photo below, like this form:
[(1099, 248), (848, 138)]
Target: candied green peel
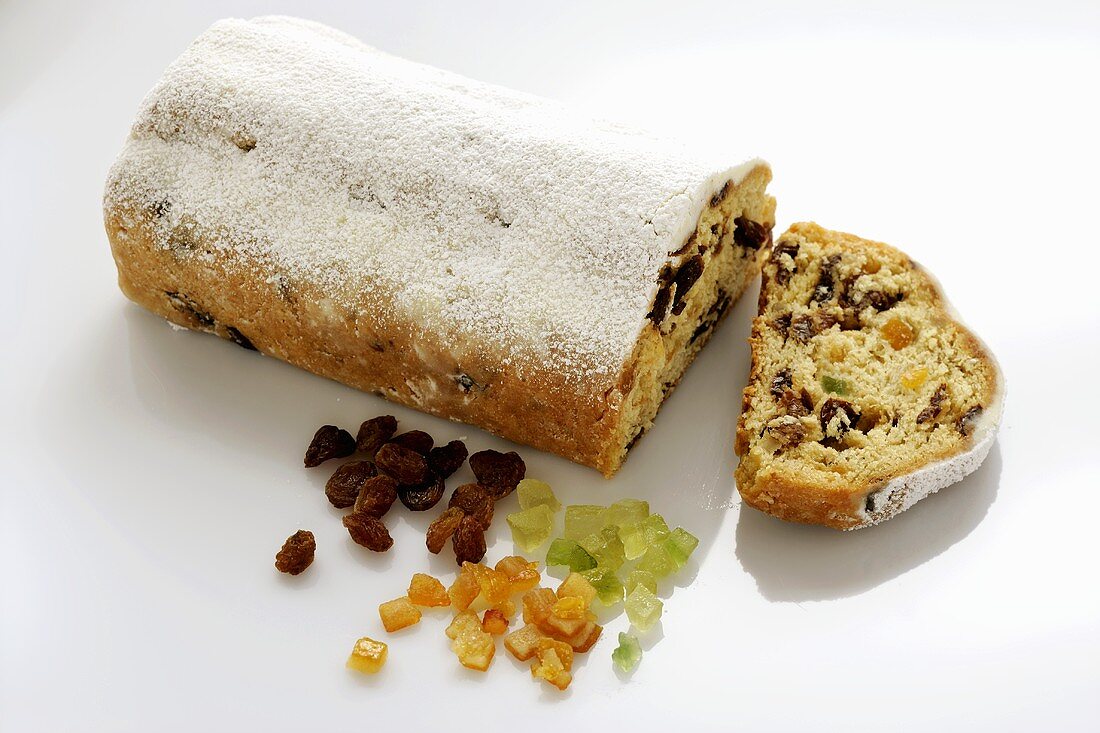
[(623, 550)]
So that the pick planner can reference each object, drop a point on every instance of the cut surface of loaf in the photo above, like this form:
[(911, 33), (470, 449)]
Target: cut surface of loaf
[(865, 394), (469, 251)]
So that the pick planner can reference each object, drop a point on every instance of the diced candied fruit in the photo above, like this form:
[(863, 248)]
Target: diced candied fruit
[(914, 378), (643, 608), (494, 585), (471, 643), (626, 511), (523, 575), (398, 613), (609, 589), (636, 538), (537, 605), (533, 492), (368, 656), (567, 552), (643, 578), (585, 637), (582, 520), (629, 652), (562, 628), (531, 527), (494, 622), (424, 590), (606, 547), (576, 585), (658, 561), (835, 385), (898, 333), (507, 607), (569, 607), (464, 590), (555, 660), (680, 544), (523, 643)]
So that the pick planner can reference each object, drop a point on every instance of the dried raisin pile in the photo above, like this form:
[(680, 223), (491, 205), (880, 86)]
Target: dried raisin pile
[(297, 553), (444, 460), (329, 442), (374, 433), (376, 496), (424, 496), (405, 465), (415, 440)]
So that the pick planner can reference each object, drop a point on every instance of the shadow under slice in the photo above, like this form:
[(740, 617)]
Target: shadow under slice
[(797, 562)]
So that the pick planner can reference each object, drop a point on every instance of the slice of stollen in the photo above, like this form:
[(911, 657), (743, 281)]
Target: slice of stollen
[(866, 394)]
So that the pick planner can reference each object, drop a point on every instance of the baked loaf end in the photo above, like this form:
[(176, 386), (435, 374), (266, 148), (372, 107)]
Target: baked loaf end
[(469, 251), (865, 393)]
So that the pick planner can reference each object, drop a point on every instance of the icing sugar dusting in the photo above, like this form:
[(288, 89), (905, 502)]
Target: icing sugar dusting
[(411, 197)]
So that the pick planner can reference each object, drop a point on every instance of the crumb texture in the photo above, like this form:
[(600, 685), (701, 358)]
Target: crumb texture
[(865, 393)]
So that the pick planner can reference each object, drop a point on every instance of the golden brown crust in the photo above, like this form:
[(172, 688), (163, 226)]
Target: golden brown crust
[(840, 502), (298, 324)]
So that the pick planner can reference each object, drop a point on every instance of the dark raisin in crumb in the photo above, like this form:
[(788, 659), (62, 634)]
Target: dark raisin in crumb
[(467, 384), (881, 301), (831, 408), (369, 532), (781, 382), (446, 459), (750, 234), (793, 404), (787, 431), (189, 308), (297, 553), (965, 423), (374, 433), (935, 405), (664, 295), (406, 466), (869, 504), (468, 541), (803, 327), (498, 472), (329, 442), (686, 277), (416, 440), (342, 488), (424, 496), (376, 496), (782, 324), (783, 271), (825, 284), (440, 530), (721, 195)]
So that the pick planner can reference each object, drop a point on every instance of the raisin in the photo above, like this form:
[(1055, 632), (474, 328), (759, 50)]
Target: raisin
[(831, 408), (329, 442), (825, 283), (793, 404), (750, 234), (664, 293), (369, 532), (782, 273), (468, 541), (446, 459), (721, 195), (781, 382), (376, 496), (686, 276), (239, 338), (342, 488), (498, 472), (788, 430), (416, 440), (965, 423), (374, 433), (297, 553), (188, 307), (935, 405), (803, 327), (424, 496), (782, 324), (467, 384), (881, 301), (406, 466), (474, 500), (442, 528)]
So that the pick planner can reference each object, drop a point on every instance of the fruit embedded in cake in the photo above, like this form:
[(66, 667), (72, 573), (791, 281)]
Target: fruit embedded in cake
[(865, 394)]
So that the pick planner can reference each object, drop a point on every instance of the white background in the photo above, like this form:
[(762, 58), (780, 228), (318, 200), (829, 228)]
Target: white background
[(147, 477)]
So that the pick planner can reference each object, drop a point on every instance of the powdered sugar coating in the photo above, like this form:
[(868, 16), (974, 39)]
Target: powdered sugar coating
[(489, 218)]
